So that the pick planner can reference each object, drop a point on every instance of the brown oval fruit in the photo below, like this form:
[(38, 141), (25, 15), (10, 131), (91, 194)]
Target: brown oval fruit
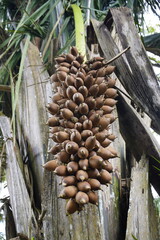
[(69, 80), (56, 97), (74, 51), (53, 121), (90, 101), (96, 65), (93, 90), (76, 64), (78, 82), (83, 108), (102, 88), (62, 136), (54, 78), (83, 90), (83, 164), (83, 186), (69, 180), (71, 206), (111, 82), (66, 113), (53, 108), (60, 59), (87, 124), (111, 93), (95, 162), (110, 102), (94, 183), (83, 152), (69, 57), (86, 133), (72, 167), (93, 197), (61, 75), (63, 69), (61, 170), (106, 143), (83, 118), (65, 64), (109, 70), (105, 177), (104, 153), (89, 81), (107, 109), (107, 166), (78, 126), (71, 147), (81, 175), (55, 149), (71, 105), (73, 69), (81, 198), (68, 192), (75, 137), (111, 117), (93, 173), (101, 136), (80, 58), (63, 156), (78, 98), (51, 165), (81, 74), (104, 122), (90, 142), (95, 118), (99, 102), (70, 91), (111, 137)]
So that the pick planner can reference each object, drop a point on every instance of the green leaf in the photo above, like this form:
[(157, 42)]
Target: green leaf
[(18, 83), (79, 30), (134, 237)]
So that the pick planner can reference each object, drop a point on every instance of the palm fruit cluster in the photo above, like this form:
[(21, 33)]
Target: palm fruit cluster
[(81, 110)]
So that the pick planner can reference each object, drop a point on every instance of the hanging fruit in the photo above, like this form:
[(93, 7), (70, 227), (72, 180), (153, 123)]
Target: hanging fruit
[(82, 110)]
